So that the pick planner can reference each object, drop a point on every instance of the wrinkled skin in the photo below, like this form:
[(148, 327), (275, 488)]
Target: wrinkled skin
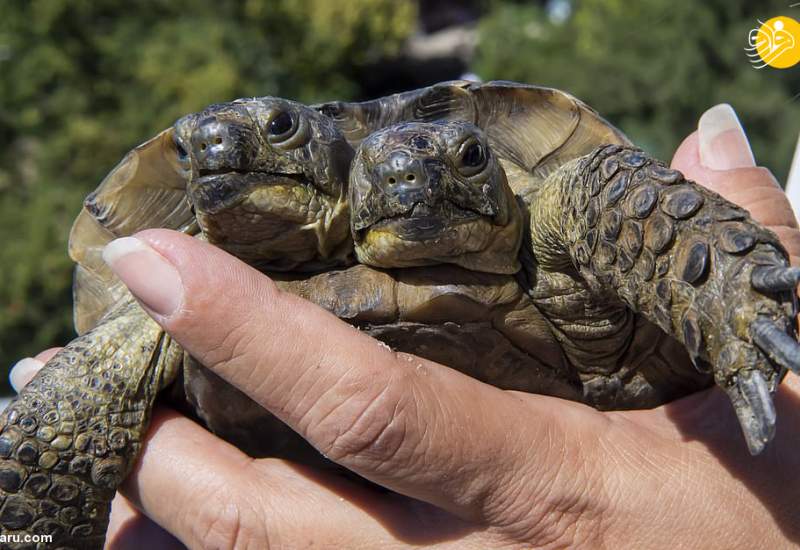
[(689, 261)]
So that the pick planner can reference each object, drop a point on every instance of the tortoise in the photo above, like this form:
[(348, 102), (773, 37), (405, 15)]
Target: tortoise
[(617, 244), (575, 322)]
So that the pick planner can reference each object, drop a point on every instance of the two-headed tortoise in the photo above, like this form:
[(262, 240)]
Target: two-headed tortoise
[(502, 229)]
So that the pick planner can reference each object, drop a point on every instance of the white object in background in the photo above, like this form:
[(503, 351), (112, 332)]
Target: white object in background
[(793, 183)]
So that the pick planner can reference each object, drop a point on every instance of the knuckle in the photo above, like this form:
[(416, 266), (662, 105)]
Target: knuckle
[(764, 174), (233, 342), (372, 426), (231, 524)]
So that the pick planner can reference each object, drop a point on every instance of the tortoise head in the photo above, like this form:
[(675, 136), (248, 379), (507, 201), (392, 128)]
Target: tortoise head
[(268, 181), (430, 193)]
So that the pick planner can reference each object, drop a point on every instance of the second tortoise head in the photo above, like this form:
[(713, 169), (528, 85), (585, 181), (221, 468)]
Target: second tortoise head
[(429, 193)]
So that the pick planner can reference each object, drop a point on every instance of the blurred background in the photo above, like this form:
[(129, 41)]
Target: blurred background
[(83, 81)]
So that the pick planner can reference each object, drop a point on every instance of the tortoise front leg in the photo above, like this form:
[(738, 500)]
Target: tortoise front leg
[(687, 259), (72, 435)]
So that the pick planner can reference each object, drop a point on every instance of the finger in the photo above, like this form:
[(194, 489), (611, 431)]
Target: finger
[(129, 529), (46, 355), (211, 495), (23, 372), (408, 424), (159, 485), (25, 369), (754, 188), (723, 143), (790, 239)]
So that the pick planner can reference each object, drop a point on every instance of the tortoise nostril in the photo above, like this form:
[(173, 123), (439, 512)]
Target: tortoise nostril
[(401, 171), (218, 140), (203, 146)]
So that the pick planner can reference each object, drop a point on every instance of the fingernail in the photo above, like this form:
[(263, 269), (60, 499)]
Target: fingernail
[(146, 273), (723, 143), (23, 372)]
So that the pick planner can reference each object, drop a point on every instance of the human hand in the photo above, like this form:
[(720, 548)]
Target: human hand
[(480, 467)]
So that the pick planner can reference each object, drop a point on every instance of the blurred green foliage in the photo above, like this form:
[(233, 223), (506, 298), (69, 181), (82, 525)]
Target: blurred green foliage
[(83, 81), (651, 67)]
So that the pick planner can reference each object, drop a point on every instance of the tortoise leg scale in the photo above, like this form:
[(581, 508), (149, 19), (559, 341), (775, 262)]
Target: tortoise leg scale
[(695, 264), (73, 433)]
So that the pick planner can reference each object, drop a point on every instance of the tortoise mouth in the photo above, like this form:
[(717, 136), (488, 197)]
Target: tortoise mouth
[(204, 173), (424, 222), (218, 190)]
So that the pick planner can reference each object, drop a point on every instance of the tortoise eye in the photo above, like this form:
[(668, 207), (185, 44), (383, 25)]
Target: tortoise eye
[(474, 156), (182, 154), (280, 124), (421, 142), (288, 129)]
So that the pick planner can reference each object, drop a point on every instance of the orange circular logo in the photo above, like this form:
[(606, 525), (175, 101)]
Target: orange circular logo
[(776, 43)]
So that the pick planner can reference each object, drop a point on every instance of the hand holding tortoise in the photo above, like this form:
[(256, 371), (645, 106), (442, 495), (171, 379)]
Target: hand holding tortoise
[(483, 467)]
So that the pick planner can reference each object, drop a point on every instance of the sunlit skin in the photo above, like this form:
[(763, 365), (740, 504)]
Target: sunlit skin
[(477, 476)]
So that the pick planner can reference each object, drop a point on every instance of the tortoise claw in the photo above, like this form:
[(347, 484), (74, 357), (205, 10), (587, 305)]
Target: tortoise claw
[(756, 411), (775, 278), (778, 345)]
